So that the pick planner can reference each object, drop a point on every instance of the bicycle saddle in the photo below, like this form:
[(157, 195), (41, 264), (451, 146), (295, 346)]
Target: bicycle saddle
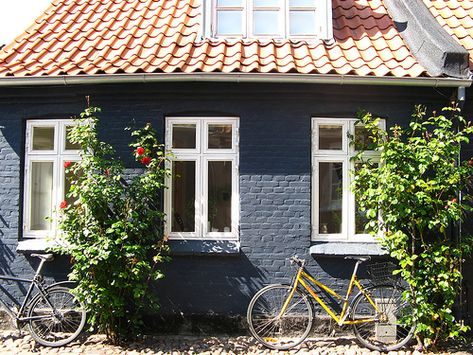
[(45, 257), (359, 258)]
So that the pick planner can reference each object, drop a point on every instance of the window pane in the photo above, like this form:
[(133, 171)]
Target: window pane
[(183, 136), (330, 197), (362, 139), (220, 196), (41, 195), (301, 2), (269, 3), (230, 3), (220, 136), (266, 22), (69, 144), (330, 137), (183, 196), (43, 138), (229, 22), (302, 23)]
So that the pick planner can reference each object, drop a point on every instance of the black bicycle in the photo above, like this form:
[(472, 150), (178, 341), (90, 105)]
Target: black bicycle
[(53, 314)]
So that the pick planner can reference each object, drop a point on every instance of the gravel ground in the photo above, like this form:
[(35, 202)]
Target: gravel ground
[(14, 343)]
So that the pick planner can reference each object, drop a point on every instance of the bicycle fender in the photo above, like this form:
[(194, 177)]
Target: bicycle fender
[(66, 284)]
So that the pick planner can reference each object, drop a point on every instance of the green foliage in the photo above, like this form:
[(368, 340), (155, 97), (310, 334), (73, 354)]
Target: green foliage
[(112, 229), (416, 189)]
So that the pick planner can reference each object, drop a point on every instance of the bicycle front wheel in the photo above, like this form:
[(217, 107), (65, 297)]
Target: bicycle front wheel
[(387, 327), (57, 318), (273, 329)]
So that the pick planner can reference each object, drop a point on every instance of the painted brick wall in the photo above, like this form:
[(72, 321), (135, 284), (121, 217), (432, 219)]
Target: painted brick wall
[(275, 174)]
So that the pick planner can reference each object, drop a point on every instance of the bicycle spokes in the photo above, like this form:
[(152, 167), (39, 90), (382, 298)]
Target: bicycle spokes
[(276, 329), (56, 318), (390, 328)]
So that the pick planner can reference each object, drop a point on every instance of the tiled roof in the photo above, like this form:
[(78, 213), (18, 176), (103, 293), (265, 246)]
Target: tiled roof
[(456, 17), (76, 37)]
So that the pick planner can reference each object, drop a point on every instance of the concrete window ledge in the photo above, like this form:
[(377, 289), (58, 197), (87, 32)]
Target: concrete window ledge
[(204, 247), (337, 248), (27, 246)]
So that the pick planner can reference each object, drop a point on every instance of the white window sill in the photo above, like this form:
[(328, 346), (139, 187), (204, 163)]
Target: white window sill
[(339, 248), (34, 245)]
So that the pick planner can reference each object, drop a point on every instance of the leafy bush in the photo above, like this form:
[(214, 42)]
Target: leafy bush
[(112, 229), (416, 187)]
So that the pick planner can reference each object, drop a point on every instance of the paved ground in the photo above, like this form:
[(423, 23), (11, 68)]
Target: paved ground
[(13, 343)]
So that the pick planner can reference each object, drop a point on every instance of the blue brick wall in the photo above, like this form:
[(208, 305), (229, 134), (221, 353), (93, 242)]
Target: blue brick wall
[(275, 174)]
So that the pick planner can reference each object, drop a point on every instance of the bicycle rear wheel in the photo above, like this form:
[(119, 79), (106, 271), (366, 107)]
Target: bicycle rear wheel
[(57, 318), (389, 329), (279, 331)]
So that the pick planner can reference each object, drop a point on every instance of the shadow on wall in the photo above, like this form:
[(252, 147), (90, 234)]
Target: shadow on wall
[(6, 254), (205, 294), (340, 272)]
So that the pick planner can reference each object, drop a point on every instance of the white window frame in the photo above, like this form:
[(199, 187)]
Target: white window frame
[(57, 156), (323, 18), (202, 155), (345, 156)]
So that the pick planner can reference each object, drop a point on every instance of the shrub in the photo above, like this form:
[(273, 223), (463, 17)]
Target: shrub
[(416, 187), (112, 229)]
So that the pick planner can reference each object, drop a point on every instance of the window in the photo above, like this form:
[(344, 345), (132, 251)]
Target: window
[(271, 18), (202, 196), (335, 214), (46, 182)]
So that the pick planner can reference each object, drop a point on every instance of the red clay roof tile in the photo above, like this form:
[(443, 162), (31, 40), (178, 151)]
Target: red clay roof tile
[(74, 37)]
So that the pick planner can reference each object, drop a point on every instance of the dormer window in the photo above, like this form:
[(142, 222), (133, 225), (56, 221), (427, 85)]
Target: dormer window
[(271, 18)]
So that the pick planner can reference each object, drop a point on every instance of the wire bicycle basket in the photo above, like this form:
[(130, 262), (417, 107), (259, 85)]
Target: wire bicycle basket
[(382, 273)]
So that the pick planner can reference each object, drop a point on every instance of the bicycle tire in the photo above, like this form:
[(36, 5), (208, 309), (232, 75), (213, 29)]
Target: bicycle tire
[(58, 317), (287, 331), (386, 333)]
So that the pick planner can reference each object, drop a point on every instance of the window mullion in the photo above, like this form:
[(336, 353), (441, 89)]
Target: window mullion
[(248, 18), (286, 18)]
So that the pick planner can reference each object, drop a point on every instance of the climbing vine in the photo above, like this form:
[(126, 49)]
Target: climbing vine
[(112, 228), (413, 203)]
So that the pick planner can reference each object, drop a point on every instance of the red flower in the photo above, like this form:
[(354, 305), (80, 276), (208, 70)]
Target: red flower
[(146, 160), (107, 172), (454, 200), (140, 151), (470, 162), (67, 164), (63, 204)]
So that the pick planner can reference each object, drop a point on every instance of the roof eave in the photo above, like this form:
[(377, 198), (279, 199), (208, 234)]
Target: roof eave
[(335, 79)]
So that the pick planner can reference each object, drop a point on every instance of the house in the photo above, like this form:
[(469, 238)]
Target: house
[(255, 98)]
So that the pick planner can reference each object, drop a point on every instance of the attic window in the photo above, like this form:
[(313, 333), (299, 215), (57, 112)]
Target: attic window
[(271, 18)]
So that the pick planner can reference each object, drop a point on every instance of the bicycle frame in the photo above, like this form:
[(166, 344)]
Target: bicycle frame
[(35, 282), (304, 278)]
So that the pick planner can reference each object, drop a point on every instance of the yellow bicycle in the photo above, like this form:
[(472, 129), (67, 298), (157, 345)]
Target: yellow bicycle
[(281, 316)]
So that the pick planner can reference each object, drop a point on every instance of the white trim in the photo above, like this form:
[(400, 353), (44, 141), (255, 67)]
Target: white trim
[(169, 135), (345, 207), (344, 124), (57, 156), (343, 155), (322, 19), (326, 32), (202, 155)]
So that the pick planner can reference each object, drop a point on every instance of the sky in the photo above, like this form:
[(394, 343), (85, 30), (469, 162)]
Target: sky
[(17, 15)]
